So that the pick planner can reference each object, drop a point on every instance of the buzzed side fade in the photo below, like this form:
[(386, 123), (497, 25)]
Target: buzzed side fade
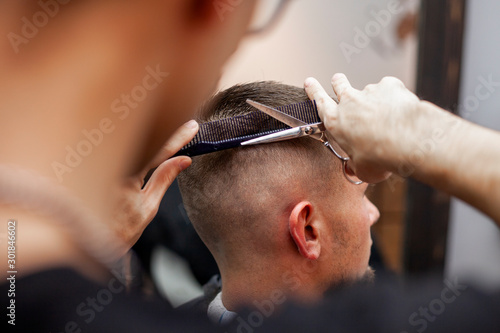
[(231, 194)]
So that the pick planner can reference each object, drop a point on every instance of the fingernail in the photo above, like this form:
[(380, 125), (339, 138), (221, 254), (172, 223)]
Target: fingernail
[(308, 82), (184, 164), (192, 124)]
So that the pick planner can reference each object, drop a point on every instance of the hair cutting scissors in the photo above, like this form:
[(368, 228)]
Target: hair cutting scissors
[(299, 129)]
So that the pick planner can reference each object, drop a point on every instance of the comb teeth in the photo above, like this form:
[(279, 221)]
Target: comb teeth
[(305, 111), (229, 128), (230, 132)]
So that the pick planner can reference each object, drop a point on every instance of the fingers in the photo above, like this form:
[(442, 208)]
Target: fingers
[(161, 179), (179, 139), (326, 105), (370, 172), (341, 85)]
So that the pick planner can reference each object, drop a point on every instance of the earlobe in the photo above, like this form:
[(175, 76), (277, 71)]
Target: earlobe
[(303, 230)]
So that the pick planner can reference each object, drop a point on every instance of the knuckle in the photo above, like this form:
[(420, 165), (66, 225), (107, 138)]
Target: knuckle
[(318, 94), (391, 80), (347, 95), (330, 121), (322, 100), (370, 87)]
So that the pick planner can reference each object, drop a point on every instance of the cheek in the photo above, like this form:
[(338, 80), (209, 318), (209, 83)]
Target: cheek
[(363, 227), (360, 239), (358, 225), (351, 239)]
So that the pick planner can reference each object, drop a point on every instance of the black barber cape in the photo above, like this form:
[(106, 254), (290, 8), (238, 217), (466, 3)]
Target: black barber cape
[(61, 300)]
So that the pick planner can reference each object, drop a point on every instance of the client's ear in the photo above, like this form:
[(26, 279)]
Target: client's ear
[(304, 230)]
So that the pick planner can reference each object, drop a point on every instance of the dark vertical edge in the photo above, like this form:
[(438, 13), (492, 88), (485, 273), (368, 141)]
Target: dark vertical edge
[(441, 30)]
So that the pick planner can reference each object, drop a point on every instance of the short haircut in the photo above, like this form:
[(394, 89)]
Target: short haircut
[(232, 193)]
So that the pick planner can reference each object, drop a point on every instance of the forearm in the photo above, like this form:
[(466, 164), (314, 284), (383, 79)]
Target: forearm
[(385, 127), (463, 161)]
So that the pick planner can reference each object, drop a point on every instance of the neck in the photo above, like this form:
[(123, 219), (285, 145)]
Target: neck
[(56, 227)]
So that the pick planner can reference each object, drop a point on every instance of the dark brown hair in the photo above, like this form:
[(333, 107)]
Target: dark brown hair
[(229, 192)]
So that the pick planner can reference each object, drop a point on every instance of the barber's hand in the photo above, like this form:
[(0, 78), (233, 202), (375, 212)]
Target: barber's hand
[(136, 207), (370, 125)]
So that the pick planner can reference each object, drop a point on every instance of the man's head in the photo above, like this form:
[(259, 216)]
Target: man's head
[(267, 209)]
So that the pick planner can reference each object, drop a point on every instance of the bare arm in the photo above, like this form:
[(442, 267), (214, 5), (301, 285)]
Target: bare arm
[(466, 163), (386, 128)]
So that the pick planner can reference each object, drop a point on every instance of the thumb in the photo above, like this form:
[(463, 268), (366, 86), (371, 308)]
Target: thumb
[(327, 108), (161, 179)]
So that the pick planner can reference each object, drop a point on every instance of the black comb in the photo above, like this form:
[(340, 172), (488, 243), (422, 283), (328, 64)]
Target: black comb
[(231, 132)]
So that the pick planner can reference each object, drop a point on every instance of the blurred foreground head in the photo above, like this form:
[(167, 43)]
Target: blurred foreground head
[(90, 90), (144, 65)]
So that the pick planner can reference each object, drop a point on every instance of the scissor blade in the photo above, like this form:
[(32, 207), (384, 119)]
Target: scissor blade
[(288, 134), (277, 114)]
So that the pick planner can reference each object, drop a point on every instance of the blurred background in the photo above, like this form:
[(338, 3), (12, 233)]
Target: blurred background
[(318, 38), (443, 51)]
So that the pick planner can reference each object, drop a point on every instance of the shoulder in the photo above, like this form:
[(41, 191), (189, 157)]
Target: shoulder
[(201, 303), (62, 299)]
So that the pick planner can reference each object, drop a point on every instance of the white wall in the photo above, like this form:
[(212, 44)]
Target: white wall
[(306, 42), (473, 240)]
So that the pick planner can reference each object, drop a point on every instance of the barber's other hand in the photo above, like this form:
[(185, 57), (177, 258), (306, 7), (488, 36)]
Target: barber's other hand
[(136, 207), (370, 125)]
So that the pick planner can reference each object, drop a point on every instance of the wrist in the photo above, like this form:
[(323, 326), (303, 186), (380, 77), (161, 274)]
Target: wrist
[(438, 133), (429, 134)]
